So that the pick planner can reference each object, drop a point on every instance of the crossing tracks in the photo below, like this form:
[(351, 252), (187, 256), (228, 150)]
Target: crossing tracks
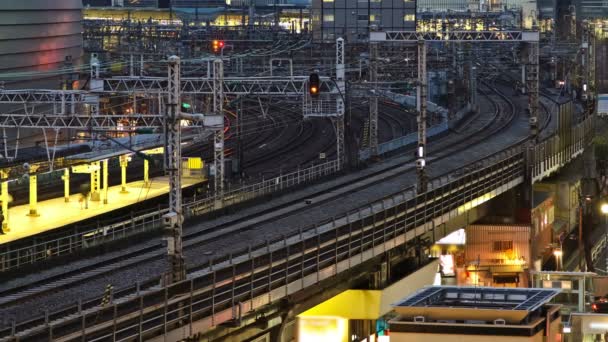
[(475, 132)]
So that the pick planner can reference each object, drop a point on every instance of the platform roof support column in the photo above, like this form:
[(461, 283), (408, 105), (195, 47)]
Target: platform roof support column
[(123, 174), (95, 182), (4, 194), (66, 185), (33, 196), (146, 172), (105, 181)]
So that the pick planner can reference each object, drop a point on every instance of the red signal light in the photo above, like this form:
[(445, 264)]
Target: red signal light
[(221, 44), (314, 84)]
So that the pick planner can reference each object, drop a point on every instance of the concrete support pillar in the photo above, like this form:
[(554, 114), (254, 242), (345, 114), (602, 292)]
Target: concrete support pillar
[(4, 194), (146, 172), (33, 196), (66, 185), (105, 181), (123, 174)]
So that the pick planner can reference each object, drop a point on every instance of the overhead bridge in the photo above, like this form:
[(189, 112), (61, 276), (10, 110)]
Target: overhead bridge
[(221, 292)]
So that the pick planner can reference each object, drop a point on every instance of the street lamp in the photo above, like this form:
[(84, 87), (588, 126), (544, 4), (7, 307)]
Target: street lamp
[(604, 209), (558, 259)]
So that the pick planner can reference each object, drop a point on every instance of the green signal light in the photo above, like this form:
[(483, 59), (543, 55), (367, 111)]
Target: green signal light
[(186, 105)]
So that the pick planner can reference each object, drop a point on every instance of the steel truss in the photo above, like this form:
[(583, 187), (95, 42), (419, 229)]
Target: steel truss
[(529, 37), (259, 86), (456, 36), (373, 101), (218, 136), (174, 218)]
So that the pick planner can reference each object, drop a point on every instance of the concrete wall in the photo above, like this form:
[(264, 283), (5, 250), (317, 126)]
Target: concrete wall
[(36, 36)]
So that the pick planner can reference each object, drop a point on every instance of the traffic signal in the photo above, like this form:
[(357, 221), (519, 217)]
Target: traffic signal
[(217, 45), (314, 84)]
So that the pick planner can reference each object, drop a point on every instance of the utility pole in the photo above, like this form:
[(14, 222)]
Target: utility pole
[(218, 136), (174, 218), (532, 88), (373, 101), (421, 103), (239, 135), (340, 106)]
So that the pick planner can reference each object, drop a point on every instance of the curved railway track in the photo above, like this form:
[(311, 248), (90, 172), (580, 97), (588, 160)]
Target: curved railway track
[(476, 132)]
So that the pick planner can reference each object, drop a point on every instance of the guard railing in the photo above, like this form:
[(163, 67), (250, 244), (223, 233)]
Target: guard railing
[(16, 254)]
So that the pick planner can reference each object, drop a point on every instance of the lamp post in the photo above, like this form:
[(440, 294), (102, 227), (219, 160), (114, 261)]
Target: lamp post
[(558, 259), (604, 209)]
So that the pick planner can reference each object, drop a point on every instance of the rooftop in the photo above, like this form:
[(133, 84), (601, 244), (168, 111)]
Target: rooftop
[(474, 303)]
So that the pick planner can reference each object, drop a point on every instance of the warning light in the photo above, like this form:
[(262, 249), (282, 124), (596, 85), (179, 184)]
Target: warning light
[(217, 45), (314, 84)]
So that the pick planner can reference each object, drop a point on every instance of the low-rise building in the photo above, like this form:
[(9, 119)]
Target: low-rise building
[(451, 313)]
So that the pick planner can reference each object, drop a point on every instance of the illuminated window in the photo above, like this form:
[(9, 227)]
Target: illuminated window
[(328, 0), (328, 18), (409, 17), (375, 0), (374, 17), (502, 246)]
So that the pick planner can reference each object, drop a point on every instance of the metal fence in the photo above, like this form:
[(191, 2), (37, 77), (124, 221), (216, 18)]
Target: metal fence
[(14, 255), (402, 141), (225, 288), (548, 157), (259, 275)]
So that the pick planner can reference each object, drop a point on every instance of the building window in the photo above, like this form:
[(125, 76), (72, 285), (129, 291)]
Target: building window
[(375, 0), (409, 17), (328, 18), (328, 0), (374, 17), (502, 246), (362, 17)]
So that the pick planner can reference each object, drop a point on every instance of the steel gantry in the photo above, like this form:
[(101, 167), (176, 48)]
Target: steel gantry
[(173, 219), (218, 137), (373, 101), (421, 106), (531, 38), (79, 109), (219, 86)]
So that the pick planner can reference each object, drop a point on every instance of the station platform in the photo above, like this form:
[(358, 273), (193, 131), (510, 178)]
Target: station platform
[(56, 213)]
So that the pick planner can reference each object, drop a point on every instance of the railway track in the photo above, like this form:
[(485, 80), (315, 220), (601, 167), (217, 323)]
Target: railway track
[(443, 148)]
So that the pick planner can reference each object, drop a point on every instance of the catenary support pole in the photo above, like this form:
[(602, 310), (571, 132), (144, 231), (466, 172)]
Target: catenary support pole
[(421, 103)]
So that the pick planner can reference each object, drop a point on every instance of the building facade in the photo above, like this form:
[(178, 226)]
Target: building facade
[(157, 3), (353, 19), (38, 38), (477, 314), (443, 5)]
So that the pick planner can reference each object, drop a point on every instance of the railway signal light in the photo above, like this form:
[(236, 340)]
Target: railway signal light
[(314, 84), (186, 107), (217, 45)]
